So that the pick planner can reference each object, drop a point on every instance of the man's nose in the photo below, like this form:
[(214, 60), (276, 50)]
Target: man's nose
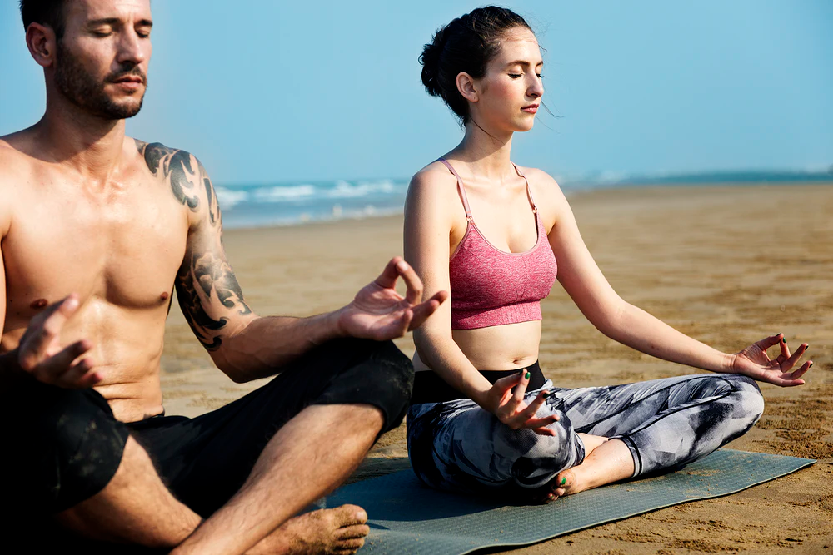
[(131, 48)]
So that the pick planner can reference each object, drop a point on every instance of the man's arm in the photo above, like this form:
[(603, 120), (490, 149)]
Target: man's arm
[(244, 345)]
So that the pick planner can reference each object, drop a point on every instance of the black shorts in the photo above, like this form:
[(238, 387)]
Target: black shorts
[(61, 447)]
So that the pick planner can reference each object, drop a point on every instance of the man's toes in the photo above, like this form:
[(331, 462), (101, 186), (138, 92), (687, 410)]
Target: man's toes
[(349, 515), (353, 544), (354, 531)]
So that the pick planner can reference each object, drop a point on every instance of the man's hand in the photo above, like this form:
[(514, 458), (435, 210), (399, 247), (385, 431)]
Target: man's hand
[(511, 408), (754, 362), (379, 312), (41, 356)]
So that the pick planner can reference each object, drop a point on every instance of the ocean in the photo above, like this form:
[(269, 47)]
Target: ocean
[(295, 202)]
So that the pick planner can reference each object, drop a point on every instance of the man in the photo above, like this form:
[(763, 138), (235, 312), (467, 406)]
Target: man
[(95, 230)]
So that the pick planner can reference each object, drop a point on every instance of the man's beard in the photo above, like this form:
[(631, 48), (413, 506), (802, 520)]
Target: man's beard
[(84, 91)]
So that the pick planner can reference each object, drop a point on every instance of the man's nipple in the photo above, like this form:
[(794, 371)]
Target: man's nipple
[(39, 304)]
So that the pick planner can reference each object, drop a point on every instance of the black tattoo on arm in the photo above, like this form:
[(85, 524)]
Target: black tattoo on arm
[(174, 165), (206, 287)]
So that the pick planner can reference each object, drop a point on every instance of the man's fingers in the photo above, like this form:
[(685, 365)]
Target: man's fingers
[(387, 279), (44, 331), (425, 309), (413, 293), (62, 311), (79, 376), (63, 360)]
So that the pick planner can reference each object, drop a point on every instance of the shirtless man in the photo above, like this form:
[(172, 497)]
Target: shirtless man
[(96, 229)]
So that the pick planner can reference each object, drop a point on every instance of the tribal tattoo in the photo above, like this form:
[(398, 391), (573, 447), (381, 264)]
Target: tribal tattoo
[(205, 283)]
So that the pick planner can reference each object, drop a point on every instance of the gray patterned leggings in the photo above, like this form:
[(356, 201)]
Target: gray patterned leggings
[(456, 445)]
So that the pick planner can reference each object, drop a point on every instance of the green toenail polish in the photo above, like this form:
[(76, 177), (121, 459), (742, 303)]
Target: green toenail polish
[(528, 375), (563, 481)]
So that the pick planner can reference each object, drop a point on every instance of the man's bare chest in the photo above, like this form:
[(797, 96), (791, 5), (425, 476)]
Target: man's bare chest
[(122, 245)]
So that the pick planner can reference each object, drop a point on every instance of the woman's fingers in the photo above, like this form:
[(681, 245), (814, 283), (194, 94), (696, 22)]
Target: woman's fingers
[(785, 351), (520, 389), (768, 342), (802, 370), (791, 361), (505, 384)]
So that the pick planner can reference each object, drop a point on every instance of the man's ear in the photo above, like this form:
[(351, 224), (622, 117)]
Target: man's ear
[(467, 86), (42, 44)]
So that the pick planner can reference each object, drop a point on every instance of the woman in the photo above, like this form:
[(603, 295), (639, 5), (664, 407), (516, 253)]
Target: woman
[(496, 236)]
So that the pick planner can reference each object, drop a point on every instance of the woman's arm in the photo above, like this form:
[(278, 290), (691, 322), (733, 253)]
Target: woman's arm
[(429, 224), (632, 326), (429, 219)]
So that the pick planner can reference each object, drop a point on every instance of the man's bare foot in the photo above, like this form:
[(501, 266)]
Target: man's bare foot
[(338, 531)]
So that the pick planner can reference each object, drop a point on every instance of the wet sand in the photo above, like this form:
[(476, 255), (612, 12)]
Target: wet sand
[(725, 264)]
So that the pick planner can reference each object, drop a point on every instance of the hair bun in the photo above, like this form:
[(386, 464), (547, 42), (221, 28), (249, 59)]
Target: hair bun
[(430, 60)]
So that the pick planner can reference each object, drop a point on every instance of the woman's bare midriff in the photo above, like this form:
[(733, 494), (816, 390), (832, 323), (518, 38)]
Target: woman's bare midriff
[(506, 347)]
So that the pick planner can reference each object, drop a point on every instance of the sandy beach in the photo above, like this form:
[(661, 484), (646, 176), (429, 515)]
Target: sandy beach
[(727, 265)]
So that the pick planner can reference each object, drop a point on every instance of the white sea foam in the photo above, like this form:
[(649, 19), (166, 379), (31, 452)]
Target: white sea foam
[(282, 193), (228, 198), (343, 189)]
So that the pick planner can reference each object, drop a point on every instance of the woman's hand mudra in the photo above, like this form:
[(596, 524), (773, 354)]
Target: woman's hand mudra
[(511, 408), (755, 363)]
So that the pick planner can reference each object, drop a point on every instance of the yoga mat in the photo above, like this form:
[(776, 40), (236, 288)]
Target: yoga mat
[(406, 517)]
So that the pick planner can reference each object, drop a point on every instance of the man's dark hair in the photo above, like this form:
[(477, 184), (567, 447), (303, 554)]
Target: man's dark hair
[(45, 12)]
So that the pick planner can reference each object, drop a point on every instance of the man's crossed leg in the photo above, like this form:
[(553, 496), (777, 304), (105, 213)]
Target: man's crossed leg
[(237, 475)]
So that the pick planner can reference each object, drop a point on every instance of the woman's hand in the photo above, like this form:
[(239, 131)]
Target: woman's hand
[(511, 408), (754, 362)]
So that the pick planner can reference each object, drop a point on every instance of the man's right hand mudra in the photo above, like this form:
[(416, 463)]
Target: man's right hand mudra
[(41, 355)]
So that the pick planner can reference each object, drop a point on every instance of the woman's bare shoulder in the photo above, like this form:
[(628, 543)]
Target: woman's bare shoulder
[(434, 180), (543, 184)]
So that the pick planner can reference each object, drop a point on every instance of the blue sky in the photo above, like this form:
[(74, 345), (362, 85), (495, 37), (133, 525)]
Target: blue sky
[(269, 91)]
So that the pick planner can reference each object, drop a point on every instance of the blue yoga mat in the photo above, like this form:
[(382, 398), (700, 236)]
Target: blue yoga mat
[(407, 517)]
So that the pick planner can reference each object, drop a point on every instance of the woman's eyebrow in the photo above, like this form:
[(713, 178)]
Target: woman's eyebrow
[(523, 63)]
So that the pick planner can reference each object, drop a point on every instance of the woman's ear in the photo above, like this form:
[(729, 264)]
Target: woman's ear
[(42, 44), (467, 86)]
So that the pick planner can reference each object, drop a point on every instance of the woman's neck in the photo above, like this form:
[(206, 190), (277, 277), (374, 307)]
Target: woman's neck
[(486, 154)]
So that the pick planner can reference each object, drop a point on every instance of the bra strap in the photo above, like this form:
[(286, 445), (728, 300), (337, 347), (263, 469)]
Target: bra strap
[(528, 189), (459, 188)]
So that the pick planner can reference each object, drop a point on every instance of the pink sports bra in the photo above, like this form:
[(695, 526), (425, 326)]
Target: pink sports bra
[(491, 287)]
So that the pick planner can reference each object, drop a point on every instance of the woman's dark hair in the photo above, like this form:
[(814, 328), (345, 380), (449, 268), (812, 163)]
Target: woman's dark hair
[(466, 44), (45, 12)]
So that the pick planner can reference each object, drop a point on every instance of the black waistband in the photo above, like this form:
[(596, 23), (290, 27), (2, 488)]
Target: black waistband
[(430, 388)]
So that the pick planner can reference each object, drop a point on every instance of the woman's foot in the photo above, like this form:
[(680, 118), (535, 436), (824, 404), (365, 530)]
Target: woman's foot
[(607, 462), (591, 442)]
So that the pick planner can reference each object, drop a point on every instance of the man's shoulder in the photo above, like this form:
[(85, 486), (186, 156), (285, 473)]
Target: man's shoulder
[(15, 163), (13, 171), (162, 159)]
